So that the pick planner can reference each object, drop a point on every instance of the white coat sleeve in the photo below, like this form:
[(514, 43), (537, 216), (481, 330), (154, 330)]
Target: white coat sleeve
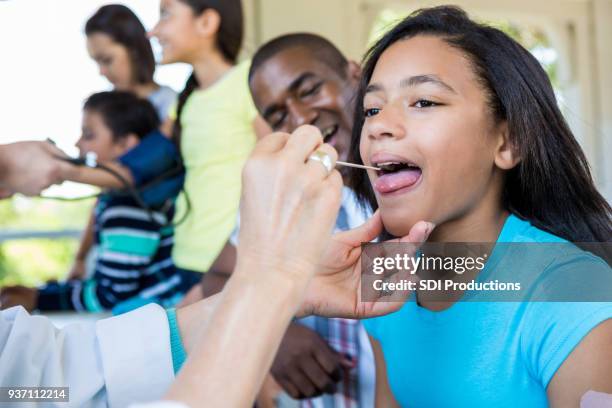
[(113, 362)]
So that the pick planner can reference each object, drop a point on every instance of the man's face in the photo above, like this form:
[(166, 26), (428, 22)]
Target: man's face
[(294, 88)]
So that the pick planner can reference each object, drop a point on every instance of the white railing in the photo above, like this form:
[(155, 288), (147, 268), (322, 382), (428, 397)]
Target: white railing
[(10, 235)]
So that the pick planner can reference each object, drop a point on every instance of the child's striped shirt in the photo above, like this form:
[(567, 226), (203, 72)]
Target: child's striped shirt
[(133, 265)]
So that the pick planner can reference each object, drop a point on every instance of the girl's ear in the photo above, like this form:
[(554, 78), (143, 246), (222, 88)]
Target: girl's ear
[(506, 154), (208, 23)]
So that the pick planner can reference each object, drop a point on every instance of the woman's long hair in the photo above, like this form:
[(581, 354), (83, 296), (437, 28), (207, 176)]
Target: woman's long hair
[(551, 187), (229, 41)]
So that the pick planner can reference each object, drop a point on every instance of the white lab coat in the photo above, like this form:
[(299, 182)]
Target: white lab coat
[(113, 362)]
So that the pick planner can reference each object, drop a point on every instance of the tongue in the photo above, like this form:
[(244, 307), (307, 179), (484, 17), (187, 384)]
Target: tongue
[(388, 183)]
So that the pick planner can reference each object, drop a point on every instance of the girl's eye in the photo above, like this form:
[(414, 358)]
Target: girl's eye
[(424, 103), (312, 90), (371, 112)]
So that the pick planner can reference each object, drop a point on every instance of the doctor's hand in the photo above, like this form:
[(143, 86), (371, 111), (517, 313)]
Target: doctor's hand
[(288, 208), (289, 203), (29, 167), (336, 290)]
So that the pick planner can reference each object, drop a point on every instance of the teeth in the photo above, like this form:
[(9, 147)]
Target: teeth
[(394, 163), (328, 131), (387, 163), (393, 166)]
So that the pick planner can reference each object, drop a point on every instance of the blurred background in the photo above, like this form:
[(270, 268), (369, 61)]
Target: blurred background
[(45, 74)]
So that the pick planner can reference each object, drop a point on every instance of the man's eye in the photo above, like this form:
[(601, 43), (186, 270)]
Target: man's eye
[(424, 103), (277, 122), (371, 112), (312, 90)]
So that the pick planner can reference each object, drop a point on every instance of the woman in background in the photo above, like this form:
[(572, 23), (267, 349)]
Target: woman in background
[(118, 42)]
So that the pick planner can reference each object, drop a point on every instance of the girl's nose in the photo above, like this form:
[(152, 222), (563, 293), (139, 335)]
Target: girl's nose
[(388, 122)]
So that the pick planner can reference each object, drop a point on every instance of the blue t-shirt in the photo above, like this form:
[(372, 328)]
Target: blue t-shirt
[(490, 354)]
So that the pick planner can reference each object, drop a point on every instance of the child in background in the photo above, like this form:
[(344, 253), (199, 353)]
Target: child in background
[(133, 264), (215, 121)]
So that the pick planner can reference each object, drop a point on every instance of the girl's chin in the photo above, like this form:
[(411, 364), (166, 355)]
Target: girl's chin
[(168, 57), (398, 221), (396, 224)]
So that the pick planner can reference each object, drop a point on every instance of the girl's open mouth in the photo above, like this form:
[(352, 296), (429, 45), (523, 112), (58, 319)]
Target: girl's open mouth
[(396, 175)]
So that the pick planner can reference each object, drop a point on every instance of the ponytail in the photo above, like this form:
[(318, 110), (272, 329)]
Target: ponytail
[(190, 86), (229, 40)]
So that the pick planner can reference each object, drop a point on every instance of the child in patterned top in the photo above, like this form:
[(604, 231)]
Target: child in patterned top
[(133, 264)]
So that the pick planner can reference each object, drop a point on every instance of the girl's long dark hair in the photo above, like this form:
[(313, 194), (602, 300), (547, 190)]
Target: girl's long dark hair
[(229, 40), (551, 186), (121, 24)]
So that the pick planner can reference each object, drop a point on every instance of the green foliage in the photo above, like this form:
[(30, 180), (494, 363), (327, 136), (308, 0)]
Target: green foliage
[(536, 41), (34, 261), (531, 37)]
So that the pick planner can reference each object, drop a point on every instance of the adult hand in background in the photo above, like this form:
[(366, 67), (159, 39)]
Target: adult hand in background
[(18, 296), (305, 366)]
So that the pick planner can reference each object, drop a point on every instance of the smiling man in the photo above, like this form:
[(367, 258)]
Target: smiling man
[(299, 79)]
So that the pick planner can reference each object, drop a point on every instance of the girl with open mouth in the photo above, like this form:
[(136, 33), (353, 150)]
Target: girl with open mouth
[(463, 124)]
